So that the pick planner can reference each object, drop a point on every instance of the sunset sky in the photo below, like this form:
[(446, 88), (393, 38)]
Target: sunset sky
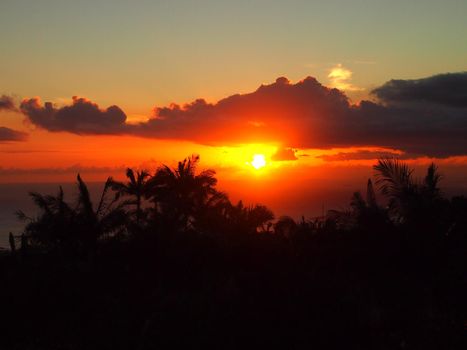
[(320, 89)]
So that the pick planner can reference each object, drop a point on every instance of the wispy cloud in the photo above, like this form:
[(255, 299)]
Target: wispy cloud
[(341, 77), (74, 169), (7, 134), (284, 154), (363, 155)]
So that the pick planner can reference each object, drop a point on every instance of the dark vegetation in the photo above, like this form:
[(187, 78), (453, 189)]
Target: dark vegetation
[(167, 261)]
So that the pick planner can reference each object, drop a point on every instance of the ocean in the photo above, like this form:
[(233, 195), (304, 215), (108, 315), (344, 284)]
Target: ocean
[(14, 197), (310, 201)]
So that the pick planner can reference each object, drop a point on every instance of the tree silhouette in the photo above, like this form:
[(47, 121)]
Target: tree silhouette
[(410, 200), (135, 187), (61, 225), (108, 218), (206, 259), (363, 212), (55, 225), (210, 216), (431, 183), (285, 226), (178, 192), (250, 219)]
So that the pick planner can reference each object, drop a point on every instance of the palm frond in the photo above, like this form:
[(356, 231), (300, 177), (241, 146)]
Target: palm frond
[(131, 175), (432, 178), (393, 177), (370, 195), (40, 201), (102, 202), (84, 198), (21, 216), (357, 202)]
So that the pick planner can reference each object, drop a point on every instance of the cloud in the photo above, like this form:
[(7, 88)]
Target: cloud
[(444, 89), (27, 151), (299, 116), (362, 155), (74, 169), (284, 154), (340, 78), (81, 117), (7, 134), (274, 112), (7, 103)]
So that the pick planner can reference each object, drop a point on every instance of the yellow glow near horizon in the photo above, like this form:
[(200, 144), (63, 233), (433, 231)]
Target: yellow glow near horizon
[(259, 161), (239, 156)]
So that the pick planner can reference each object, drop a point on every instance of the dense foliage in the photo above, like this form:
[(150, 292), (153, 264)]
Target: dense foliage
[(167, 261)]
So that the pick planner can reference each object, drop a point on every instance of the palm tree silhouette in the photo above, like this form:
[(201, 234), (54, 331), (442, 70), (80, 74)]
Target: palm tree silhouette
[(210, 217), (179, 192), (107, 219), (409, 199), (431, 182), (250, 219), (55, 224), (60, 224), (364, 212), (136, 187)]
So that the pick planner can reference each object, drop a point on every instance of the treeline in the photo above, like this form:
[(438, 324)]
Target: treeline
[(166, 260), (177, 199)]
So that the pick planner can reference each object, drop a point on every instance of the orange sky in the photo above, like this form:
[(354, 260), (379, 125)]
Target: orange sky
[(321, 89), (301, 186), (281, 121)]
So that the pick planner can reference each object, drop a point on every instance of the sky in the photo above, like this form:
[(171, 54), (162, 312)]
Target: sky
[(319, 88)]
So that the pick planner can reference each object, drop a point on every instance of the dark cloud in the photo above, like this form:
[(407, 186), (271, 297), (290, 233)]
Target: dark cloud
[(82, 117), (362, 155), (301, 115), (74, 169), (284, 154), (275, 112), (25, 151), (7, 134), (445, 89), (310, 115), (7, 103)]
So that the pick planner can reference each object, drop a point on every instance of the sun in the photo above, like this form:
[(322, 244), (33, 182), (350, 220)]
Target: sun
[(258, 161)]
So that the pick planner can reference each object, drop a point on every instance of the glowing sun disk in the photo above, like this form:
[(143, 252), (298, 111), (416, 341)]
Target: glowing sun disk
[(258, 161)]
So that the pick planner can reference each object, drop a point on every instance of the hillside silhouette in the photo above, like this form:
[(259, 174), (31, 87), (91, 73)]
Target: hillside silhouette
[(166, 260)]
